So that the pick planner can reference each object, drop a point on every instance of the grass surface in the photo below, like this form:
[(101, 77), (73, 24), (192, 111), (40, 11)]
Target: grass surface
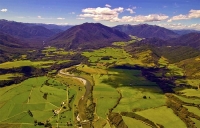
[(133, 98), (194, 110), (189, 100), (133, 123), (105, 96), (21, 63), (117, 56), (9, 76), (163, 116), (191, 92), (17, 100)]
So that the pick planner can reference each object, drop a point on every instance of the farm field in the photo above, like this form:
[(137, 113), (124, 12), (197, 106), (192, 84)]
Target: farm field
[(191, 92), (15, 64), (163, 116), (140, 98), (119, 83), (34, 101), (130, 122), (116, 55), (9, 76)]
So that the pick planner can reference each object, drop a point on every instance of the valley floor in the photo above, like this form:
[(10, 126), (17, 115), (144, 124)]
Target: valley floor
[(114, 89)]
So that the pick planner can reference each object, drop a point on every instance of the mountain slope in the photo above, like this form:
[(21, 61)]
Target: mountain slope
[(10, 46), (191, 40), (147, 31), (88, 36), (9, 41), (23, 30)]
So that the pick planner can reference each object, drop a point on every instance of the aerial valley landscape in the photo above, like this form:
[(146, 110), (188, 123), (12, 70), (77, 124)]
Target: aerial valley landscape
[(90, 74)]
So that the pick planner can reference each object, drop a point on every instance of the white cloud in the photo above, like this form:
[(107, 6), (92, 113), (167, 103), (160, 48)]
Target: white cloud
[(181, 26), (58, 23), (40, 17), (107, 5), (99, 13), (192, 14), (178, 17), (72, 13), (130, 10), (141, 18), (112, 15), (80, 18), (4, 10), (60, 18)]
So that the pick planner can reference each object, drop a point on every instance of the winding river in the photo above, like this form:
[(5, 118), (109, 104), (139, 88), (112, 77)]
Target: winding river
[(83, 101)]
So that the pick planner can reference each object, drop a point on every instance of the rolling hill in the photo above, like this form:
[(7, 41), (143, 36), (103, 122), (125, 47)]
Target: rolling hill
[(87, 36), (147, 31)]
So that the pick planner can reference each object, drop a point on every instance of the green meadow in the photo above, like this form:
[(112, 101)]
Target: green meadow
[(21, 63), (163, 116), (133, 123), (53, 51), (116, 56), (9, 76), (40, 96), (140, 98), (54, 99)]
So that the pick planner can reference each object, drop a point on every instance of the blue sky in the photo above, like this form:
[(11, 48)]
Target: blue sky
[(174, 14)]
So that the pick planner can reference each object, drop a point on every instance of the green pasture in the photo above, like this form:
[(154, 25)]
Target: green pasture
[(194, 110), (124, 43), (191, 92), (125, 77), (133, 123), (17, 100), (105, 96), (174, 70), (21, 63), (115, 55), (189, 100), (163, 62), (75, 85), (163, 116), (191, 67), (92, 70), (53, 51), (193, 82), (9, 76), (133, 98), (49, 49), (197, 122)]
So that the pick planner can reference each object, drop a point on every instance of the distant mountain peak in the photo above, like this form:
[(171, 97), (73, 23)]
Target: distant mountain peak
[(88, 35)]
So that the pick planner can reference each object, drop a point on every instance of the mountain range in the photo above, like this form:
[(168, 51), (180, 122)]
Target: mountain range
[(147, 31), (88, 35), (23, 30)]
